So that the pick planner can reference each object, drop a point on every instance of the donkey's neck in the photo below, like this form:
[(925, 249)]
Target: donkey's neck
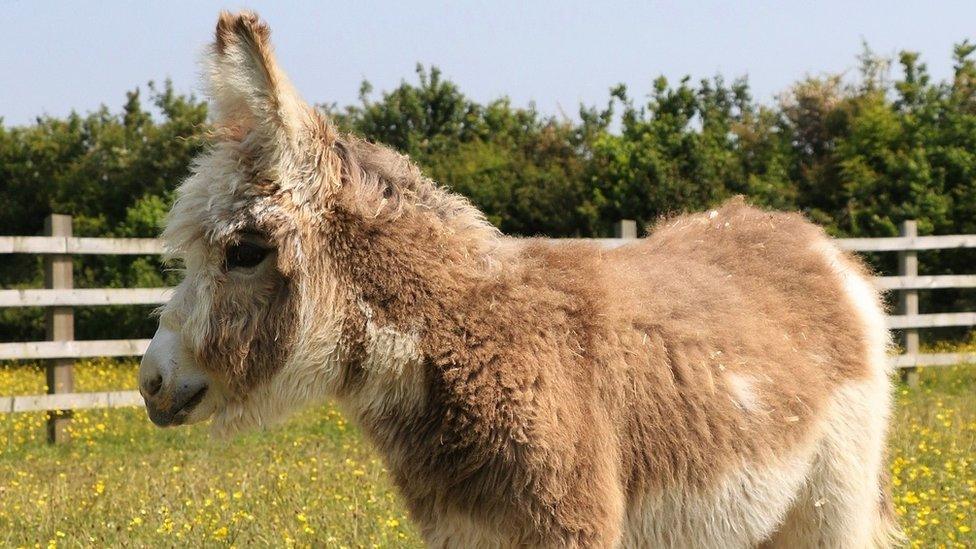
[(415, 327), (481, 345)]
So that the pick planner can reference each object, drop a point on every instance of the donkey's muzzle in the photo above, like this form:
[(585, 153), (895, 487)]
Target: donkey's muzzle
[(170, 383)]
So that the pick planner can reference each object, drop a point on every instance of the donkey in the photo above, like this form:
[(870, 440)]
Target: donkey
[(720, 383)]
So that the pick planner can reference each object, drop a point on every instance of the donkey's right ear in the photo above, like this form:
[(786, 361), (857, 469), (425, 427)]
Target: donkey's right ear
[(249, 92)]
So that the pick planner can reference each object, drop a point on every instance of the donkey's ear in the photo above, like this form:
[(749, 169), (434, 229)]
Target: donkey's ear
[(248, 89)]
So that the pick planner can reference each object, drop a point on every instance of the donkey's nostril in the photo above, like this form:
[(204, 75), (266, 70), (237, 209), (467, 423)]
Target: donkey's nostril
[(153, 385)]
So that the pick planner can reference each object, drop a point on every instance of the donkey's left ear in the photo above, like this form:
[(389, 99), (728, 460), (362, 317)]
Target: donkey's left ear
[(248, 89)]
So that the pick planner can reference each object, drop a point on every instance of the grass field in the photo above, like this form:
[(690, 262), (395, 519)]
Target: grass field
[(313, 482)]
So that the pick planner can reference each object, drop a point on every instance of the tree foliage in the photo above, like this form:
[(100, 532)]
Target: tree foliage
[(856, 156), (115, 174)]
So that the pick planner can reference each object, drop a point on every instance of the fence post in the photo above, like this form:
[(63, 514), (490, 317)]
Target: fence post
[(60, 325), (625, 228), (908, 300)]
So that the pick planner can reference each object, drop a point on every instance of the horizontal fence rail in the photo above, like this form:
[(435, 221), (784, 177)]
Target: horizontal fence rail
[(933, 359), (40, 350), (908, 243), (84, 297), (937, 320), (907, 283), (70, 401), (79, 245), (924, 282)]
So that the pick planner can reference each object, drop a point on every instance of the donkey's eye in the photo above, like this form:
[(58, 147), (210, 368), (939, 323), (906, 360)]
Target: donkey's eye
[(244, 255)]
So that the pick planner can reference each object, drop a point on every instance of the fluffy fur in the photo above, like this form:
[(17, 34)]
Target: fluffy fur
[(721, 383)]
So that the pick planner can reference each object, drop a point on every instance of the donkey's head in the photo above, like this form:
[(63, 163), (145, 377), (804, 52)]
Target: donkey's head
[(304, 252)]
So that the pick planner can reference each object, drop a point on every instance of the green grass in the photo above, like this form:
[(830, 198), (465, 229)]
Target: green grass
[(933, 458), (123, 482)]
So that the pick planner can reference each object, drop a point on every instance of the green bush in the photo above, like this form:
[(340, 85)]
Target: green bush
[(857, 157)]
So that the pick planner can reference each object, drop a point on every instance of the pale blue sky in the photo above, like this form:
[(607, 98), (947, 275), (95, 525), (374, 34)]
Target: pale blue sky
[(55, 57)]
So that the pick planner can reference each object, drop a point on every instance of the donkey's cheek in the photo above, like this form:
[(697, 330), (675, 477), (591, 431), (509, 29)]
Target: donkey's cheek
[(249, 350)]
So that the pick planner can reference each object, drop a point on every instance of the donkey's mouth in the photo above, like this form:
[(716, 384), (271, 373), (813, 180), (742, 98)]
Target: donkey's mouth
[(179, 412), (196, 399)]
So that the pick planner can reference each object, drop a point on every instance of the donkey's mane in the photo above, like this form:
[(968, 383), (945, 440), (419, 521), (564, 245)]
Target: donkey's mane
[(379, 171)]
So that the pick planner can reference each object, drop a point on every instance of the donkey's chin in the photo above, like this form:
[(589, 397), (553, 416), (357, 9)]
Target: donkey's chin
[(231, 421), (200, 414), (256, 411)]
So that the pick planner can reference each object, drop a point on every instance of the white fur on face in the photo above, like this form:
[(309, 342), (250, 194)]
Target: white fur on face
[(206, 213), (261, 170), (310, 374)]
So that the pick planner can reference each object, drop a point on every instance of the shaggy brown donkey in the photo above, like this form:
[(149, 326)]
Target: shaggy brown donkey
[(721, 383)]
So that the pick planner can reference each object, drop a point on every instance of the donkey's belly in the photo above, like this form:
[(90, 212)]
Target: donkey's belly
[(741, 510)]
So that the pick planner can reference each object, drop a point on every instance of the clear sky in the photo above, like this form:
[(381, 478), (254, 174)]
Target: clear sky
[(55, 57)]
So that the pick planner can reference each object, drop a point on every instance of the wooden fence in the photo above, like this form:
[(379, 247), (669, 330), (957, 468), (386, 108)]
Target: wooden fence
[(59, 297)]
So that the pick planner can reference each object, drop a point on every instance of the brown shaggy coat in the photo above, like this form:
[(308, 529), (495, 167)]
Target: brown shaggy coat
[(721, 382), (577, 376)]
